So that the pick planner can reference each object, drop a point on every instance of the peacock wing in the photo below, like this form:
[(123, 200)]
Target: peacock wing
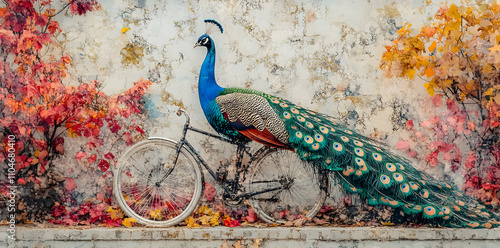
[(252, 116)]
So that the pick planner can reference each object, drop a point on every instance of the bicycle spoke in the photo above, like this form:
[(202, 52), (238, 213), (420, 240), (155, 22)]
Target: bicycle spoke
[(301, 193)]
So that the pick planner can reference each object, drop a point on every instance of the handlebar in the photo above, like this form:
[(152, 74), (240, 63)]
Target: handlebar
[(180, 112)]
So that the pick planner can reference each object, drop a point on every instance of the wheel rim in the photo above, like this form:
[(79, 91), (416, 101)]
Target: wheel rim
[(302, 196), (150, 190)]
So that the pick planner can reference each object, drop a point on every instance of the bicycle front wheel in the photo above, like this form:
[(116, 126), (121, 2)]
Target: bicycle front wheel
[(154, 189), (291, 188)]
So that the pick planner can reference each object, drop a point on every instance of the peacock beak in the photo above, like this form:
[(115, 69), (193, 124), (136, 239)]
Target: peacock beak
[(197, 44)]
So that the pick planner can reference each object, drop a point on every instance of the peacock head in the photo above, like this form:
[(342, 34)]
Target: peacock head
[(205, 39)]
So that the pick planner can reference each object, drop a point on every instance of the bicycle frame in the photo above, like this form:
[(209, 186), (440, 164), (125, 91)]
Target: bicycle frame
[(242, 148)]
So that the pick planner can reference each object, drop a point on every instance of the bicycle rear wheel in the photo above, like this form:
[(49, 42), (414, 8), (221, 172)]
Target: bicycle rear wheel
[(154, 191), (299, 190)]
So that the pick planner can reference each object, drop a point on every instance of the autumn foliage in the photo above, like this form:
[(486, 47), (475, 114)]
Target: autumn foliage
[(45, 111), (457, 58)]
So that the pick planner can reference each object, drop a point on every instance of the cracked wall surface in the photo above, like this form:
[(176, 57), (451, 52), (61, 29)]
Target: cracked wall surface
[(323, 55)]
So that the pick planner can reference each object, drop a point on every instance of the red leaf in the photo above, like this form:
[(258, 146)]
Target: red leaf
[(92, 158), (432, 158), (113, 126), (231, 223), (470, 161), (452, 106), (80, 155), (70, 184), (103, 165), (21, 181), (412, 154), (109, 156), (80, 7), (447, 156), (210, 192), (252, 217), (140, 130), (41, 169), (128, 138), (53, 27), (437, 101), (409, 125), (403, 145), (42, 154)]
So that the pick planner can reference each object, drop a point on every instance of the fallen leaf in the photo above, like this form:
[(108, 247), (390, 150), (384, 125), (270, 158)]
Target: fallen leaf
[(128, 222)]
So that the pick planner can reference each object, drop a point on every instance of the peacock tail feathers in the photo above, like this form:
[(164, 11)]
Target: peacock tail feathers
[(366, 167)]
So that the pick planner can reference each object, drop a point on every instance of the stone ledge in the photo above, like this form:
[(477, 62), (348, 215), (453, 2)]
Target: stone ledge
[(265, 236)]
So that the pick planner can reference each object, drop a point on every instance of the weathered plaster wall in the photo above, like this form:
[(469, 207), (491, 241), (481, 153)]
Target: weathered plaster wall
[(324, 55)]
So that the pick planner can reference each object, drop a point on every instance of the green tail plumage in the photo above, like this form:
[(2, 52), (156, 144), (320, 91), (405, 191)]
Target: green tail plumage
[(364, 166)]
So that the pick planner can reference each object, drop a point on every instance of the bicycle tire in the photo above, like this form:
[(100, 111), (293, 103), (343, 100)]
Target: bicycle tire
[(304, 191), (151, 190)]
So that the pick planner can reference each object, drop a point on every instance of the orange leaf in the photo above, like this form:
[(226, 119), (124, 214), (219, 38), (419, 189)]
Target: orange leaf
[(471, 125), (429, 31), (429, 72), (432, 47)]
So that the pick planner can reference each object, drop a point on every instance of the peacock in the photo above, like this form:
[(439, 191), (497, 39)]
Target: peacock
[(360, 164)]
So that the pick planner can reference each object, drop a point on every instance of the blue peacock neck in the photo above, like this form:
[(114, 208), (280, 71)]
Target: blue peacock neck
[(208, 89)]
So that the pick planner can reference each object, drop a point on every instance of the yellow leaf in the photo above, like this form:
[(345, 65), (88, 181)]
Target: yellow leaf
[(190, 222), (125, 29), (126, 197), (214, 221), (115, 214), (454, 49), (155, 214), (128, 222), (432, 47), (205, 210), (487, 69), (410, 73), (405, 29), (453, 12), (388, 223), (72, 133), (429, 88), (429, 72), (489, 92), (205, 220)]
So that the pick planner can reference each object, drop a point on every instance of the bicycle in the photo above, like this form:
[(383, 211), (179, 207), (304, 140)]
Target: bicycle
[(159, 181)]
